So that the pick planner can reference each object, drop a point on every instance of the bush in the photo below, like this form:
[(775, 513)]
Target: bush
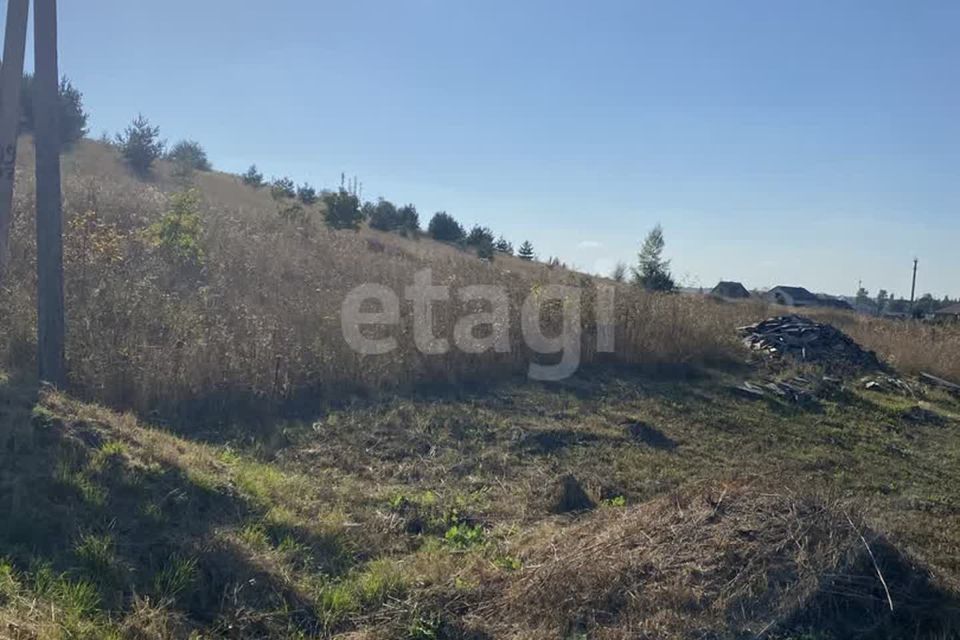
[(307, 194), (72, 117), (445, 228), (283, 188), (178, 234), (140, 145), (189, 153), (503, 246), (343, 210), (252, 178)]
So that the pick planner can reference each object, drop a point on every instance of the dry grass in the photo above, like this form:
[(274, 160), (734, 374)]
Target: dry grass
[(730, 557)]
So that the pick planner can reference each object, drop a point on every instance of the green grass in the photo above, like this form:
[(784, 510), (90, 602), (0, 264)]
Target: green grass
[(387, 514)]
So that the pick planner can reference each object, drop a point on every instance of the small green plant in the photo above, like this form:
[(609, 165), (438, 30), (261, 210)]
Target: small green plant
[(96, 555), (175, 577), (464, 536), (179, 233), (615, 501), (508, 563)]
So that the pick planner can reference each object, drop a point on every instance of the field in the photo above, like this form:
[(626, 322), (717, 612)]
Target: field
[(222, 466)]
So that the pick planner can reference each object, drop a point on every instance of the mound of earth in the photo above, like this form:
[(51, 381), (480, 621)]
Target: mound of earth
[(803, 339), (726, 563)]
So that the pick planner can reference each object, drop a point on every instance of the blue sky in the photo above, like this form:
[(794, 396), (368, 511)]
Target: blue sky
[(778, 142)]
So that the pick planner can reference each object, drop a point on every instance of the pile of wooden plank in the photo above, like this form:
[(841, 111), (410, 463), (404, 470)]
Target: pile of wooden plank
[(806, 340)]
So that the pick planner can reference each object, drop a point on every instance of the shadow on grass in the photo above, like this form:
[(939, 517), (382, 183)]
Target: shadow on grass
[(89, 507)]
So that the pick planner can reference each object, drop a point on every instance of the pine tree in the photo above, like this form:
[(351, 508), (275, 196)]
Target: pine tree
[(526, 251), (252, 178), (503, 246), (652, 271), (141, 145), (445, 228), (189, 153)]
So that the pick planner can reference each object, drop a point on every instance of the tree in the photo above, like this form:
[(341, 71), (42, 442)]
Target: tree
[(307, 194), (408, 220), (503, 246), (283, 188), (343, 210), (863, 298), (619, 273), (883, 298), (252, 177), (526, 251), (445, 228), (73, 118), (179, 232), (140, 145), (383, 216), (189, 153), (652, 271)]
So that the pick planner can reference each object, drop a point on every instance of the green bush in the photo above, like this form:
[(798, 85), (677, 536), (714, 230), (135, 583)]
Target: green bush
[(283, 188), (307, 194), (179, 232)]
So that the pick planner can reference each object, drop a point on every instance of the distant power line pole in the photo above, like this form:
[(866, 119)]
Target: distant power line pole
[(50, 312), (913, 287), (11, 82)]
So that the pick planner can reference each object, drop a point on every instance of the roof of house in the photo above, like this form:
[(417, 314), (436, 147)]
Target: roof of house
[(797, 293), (730, 290), (952, 310)]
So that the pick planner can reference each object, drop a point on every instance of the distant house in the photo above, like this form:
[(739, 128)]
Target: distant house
[(951, 313), (732, 290), (792, 297)]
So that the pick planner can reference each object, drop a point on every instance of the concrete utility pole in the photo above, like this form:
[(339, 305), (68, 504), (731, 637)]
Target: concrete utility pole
[(913, 287), (11, 81), (50, 313)]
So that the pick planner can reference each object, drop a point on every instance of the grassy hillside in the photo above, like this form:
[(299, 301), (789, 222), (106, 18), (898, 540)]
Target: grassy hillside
[(269, 482)]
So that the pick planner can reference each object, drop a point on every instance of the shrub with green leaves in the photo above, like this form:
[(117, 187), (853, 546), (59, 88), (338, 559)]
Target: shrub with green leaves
[(140, 145), (445, 228), (343, 210), (179, 232)]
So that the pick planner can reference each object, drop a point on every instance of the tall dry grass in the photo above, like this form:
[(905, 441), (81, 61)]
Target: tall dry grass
[(261, 318)]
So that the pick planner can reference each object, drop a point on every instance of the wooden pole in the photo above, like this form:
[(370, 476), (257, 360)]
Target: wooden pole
[(11, 81), (50, 314)]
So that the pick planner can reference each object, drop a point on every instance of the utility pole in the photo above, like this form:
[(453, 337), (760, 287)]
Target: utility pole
[(913, 287), (11, 81), (50, 313)]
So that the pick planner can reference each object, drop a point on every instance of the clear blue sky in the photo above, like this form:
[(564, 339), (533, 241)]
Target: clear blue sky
[(778, 142)]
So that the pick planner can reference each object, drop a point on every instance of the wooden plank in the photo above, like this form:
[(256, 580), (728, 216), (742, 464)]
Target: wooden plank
[(51, 325), (11, 82)]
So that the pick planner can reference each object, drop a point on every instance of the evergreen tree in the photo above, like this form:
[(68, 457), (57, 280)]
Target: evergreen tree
[(307, 194), (503, 246), (343, 210), (383, 216), (652, 271), (445, 228), (252, 178), (283, 188), (619, 273), (140, 145), (73, 118), (408, 220), (189, 153), (526, 251)]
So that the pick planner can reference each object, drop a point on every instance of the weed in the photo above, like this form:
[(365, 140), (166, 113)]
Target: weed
[(464, 536), (176, 576)]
